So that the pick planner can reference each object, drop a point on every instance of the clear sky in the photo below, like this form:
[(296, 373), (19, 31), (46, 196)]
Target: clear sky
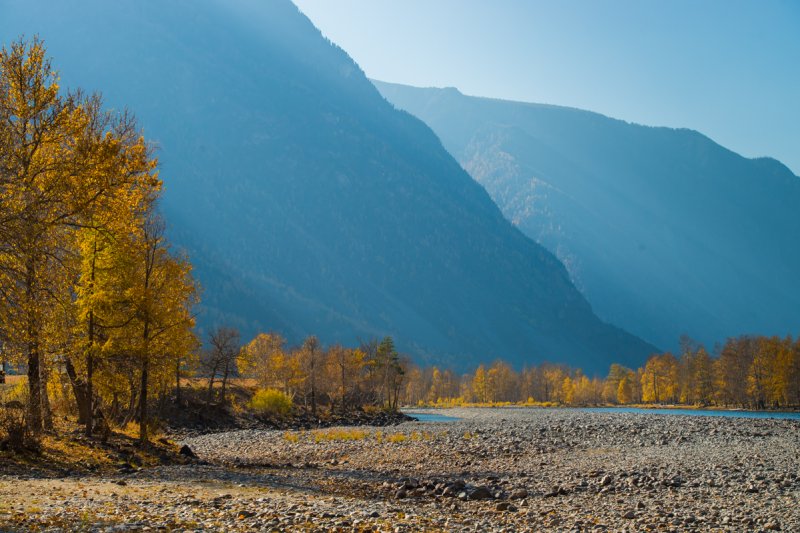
[(727, 68)]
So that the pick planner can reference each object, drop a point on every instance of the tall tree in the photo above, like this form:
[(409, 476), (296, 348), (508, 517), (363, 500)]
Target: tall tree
[(61, 161), (263, 358), (312, 364), (161, 294), (388, 363), (224, 348), (660, 379)]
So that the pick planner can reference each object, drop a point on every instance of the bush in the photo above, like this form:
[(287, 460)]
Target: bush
[(271, 402), (15, 435)]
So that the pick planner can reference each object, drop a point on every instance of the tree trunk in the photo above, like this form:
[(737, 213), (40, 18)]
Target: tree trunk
[(34, 389), (90, 355), (143, 404), (79, 390), (114, 411), (32, 353), (89, 376), (143, 385), (132, 405), (47, 413), (344, 390), (313, 388), (178, 381), (225, 380), (396, 397), (211, 385)]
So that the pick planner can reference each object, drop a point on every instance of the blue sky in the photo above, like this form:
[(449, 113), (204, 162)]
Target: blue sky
[(728, 68)]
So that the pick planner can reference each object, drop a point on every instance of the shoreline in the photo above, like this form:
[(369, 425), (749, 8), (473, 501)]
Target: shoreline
[(501, 405)]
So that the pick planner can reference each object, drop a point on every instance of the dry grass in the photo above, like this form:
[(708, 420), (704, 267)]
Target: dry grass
[(67, 449), (396, 438), (338, 434), (288, 436), (11, 383), (354, 434)]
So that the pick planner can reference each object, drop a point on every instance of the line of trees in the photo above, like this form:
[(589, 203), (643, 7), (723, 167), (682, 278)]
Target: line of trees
[(748, 371), (338, 377), (93, 301)]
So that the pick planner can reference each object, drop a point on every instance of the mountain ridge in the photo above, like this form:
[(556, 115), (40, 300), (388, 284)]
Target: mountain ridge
[(628, 206), (308, 204)]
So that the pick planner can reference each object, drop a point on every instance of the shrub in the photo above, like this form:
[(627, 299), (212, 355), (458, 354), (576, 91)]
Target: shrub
[(15, 435), (336, 434), (397, 437), (271, 402)]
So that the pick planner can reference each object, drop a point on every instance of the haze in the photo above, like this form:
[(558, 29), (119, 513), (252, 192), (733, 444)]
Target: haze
[(727, 69)]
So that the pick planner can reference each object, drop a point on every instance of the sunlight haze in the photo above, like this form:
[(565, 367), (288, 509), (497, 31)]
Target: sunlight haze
[(726, 69)]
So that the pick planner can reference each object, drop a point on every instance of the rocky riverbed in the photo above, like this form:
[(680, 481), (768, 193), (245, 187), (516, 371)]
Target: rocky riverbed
[(491, 470)]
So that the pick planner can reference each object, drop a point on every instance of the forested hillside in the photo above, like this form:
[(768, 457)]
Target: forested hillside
[(664, 231), (308, 204)]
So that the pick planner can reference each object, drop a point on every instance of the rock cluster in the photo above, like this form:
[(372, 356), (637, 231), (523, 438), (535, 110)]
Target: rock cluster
[(492, 470)]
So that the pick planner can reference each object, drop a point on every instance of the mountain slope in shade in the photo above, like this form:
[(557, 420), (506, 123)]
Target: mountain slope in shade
[(664, 231), (307, 202)]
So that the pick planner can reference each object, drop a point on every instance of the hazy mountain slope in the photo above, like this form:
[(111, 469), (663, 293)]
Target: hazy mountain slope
[(307, 202), (663, 230)]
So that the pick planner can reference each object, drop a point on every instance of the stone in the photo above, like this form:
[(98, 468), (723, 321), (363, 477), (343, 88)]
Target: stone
[(555, 491), (519, 494), (481, 493), (186, 451), (505, 506)]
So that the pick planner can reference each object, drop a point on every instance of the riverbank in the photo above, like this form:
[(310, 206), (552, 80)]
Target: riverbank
[(642, 406), (490, 470)]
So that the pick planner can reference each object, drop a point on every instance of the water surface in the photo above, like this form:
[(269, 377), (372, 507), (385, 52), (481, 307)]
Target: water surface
[(795, 415), (431, 417)]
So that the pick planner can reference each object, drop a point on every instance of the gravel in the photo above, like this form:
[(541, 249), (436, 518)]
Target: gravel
[(507, 469)]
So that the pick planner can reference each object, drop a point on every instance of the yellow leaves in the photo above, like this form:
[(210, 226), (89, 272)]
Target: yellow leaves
[(78, 268)]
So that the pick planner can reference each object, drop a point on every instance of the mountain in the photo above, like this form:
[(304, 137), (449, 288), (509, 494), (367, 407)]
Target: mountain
[(307, 203), (663, 230)]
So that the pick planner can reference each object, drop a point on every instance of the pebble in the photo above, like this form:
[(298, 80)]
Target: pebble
[(565, 468)]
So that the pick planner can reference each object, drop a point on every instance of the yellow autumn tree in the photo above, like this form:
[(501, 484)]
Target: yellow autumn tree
[(64, 161), (624, 389), (567, 391), (660, 379), (131, 173), (479, 387), (346, 366), (263, 358), (702, 378), (160, 294)]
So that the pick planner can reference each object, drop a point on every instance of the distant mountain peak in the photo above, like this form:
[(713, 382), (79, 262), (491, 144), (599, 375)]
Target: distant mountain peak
[(664, 230)]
